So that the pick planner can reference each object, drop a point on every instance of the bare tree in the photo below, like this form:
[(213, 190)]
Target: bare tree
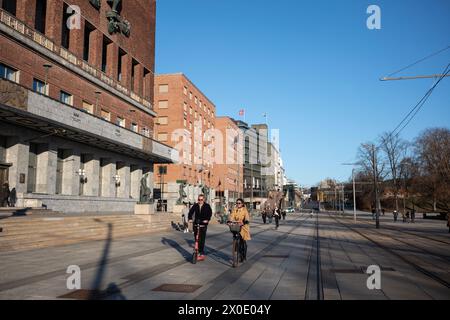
[(394, 149), (433, 155), (369, 159)]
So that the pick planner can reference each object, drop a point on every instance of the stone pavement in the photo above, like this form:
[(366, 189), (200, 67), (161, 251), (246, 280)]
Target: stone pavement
[(321, 256)]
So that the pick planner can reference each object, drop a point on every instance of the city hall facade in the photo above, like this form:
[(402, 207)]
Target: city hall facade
[(76, 113)]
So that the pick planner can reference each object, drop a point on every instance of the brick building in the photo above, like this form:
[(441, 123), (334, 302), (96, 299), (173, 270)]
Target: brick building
[(229, 172), (76, 86), (186, 121)]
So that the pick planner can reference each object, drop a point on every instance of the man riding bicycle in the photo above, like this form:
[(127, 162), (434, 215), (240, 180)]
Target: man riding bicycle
[(240, 214)]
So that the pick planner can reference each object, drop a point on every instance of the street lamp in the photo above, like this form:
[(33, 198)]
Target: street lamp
[(354, 187)]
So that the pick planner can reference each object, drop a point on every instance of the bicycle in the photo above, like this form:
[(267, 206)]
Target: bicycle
[(197, 237), (235, 228)]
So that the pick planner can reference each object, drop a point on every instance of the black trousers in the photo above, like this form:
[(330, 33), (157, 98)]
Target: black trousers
[(201, 239), (277, 221), (264, 217)]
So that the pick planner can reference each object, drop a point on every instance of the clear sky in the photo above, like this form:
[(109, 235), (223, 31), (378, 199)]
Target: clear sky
[(313, 67)]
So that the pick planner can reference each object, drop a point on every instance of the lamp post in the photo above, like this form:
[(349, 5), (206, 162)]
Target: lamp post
[(354, 187)]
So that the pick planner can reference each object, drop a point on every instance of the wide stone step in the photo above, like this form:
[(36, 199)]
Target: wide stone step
[(15, 246)]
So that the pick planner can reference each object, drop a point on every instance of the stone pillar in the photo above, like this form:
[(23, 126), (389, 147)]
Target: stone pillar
[(46, 169), (135, 188), (112, 56), (108, 171), (71, 179), (92, 168), (96, 47), (125, 179), (138, 79), (17, 154)]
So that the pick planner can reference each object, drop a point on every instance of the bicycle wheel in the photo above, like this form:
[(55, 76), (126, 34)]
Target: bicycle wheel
[(235, 253)]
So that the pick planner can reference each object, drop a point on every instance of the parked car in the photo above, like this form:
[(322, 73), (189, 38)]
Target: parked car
[(290, 210)]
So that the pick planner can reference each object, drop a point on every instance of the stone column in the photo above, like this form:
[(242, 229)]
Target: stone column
[(26, 11), (125, 179), (17, 154), (108, 171), (71, 179), (76, 41), (92, 168), (46, 169), (136, 176)]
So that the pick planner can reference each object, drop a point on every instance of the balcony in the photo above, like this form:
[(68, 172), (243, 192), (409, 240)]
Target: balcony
[(50, 49)]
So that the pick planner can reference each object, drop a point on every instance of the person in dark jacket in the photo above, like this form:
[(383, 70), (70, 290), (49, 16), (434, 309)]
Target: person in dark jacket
[(5, 195), (200, 214)]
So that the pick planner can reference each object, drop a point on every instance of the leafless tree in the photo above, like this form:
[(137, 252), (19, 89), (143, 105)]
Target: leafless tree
[(432, 149), (394, 149)]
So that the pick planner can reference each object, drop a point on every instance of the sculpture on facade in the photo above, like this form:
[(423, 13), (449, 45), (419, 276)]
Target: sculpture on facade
[(145, 193), (182, 193), (116, 22), (96, 3)]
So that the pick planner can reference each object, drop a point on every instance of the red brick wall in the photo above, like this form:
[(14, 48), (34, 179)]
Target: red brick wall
[(139, 46)]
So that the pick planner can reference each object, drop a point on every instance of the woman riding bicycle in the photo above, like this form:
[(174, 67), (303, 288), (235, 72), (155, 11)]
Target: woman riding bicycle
[(240, 214)]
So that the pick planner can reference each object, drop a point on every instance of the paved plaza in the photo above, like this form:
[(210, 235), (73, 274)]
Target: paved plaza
[(312, 257)]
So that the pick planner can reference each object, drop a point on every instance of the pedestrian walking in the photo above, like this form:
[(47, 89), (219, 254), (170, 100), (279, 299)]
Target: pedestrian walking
[(383, 211), (395, 215), (13, 198), (407, 216), (404, 217), (413, 215), (276, 215), (5, 195), (200, 214)]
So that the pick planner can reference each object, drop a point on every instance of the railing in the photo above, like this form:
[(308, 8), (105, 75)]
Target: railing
[(45, 42)]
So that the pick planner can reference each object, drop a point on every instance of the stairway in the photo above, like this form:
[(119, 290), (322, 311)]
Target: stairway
[(49, 229)]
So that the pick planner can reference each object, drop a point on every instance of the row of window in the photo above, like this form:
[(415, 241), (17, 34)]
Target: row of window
[(41, 87), (88, 45), (164, 88)]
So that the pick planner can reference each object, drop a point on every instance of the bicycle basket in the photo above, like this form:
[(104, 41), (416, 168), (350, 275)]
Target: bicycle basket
[(235, 228)]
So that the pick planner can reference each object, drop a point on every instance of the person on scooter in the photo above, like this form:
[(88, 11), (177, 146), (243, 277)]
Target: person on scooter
[(240, 214), (200, 214)]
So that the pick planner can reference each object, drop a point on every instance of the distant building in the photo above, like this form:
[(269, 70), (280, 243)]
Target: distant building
[(186, 121)]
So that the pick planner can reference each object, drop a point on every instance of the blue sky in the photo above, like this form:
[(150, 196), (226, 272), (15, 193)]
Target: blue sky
[(313, 67)]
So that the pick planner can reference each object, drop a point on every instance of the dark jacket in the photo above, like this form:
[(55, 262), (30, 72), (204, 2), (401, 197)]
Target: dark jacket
[(200, 216)]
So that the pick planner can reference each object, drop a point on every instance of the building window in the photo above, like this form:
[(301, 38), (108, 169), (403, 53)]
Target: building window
[(190, 125), (185, 91), (196, 100), (190, 110), (88, 107), (190, 95), (185, 122), (146, 132), (105, 115), (122, 54), (163, 120), (162, 137), (41, 12), (120, 122), (185, 106), (163, 88), (88, 29), (9, 73), (65, 34), (134, 70), (10, 6), (106, 46), (40, 87), (66, 98), (134, 127), (163, 104)]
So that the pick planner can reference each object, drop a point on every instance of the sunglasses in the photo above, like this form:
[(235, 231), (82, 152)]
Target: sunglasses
[(201, 200), (239, 203)]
